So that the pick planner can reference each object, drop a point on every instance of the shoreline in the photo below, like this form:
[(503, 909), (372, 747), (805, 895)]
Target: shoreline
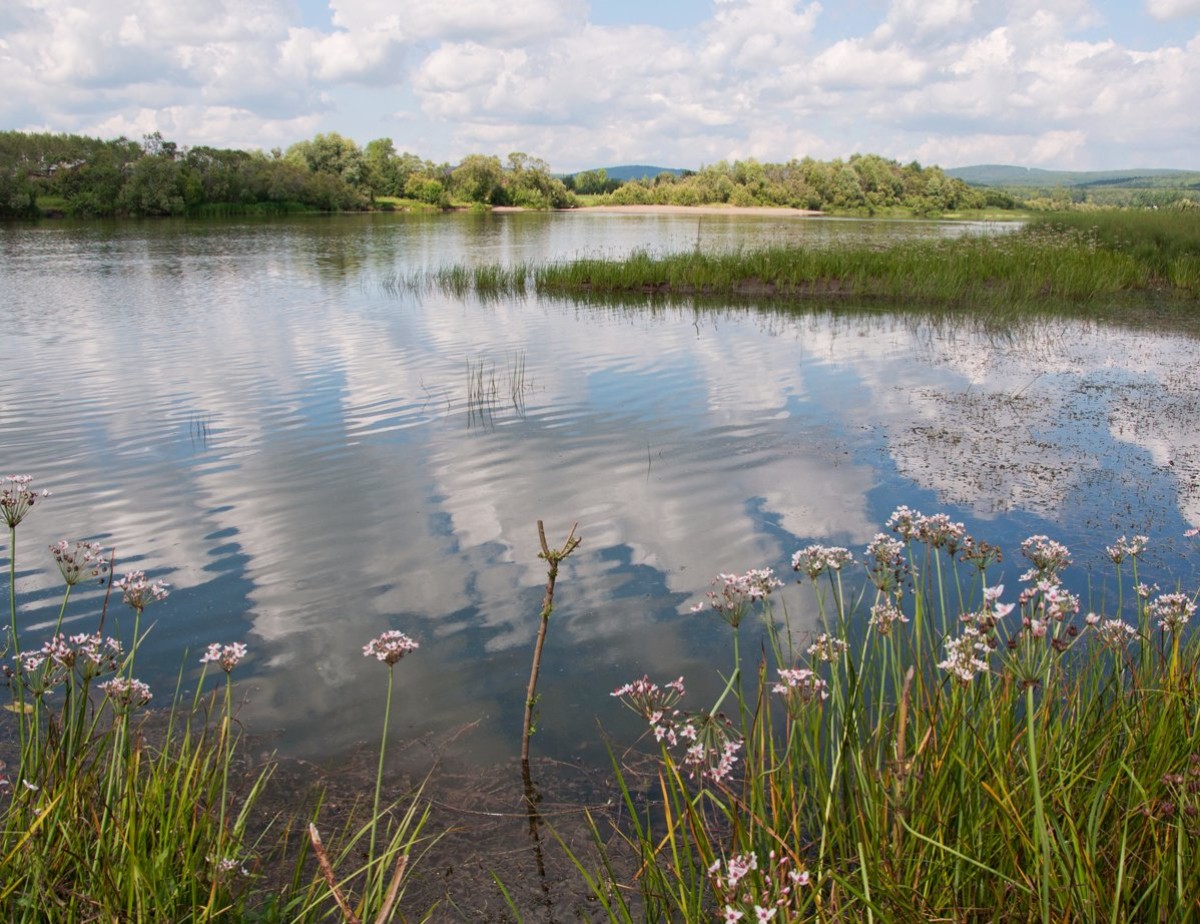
[(701, 210), (774, 211)]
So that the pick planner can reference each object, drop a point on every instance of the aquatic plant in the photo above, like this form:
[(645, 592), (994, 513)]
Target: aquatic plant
[(114, 811), (1076, 259), (945, 750)]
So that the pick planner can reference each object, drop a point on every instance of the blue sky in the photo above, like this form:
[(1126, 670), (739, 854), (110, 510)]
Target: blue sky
[(1083, 84)]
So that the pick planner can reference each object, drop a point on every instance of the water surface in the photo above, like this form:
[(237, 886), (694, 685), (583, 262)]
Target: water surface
[(248, 411)]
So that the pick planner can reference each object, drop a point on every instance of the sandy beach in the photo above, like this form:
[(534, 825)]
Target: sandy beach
[(700, 210), (679, 210)]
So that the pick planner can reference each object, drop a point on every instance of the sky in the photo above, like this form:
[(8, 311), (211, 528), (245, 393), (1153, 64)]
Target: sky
[(1065, 84)]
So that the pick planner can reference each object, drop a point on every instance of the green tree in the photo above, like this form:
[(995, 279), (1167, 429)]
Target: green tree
[(530, 184), (426, 188), (383, 173), (18, 196), (479, 179), (591, 182), (333, 155), (155, 187)]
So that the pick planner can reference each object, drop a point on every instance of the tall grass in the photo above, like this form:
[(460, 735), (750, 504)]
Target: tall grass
[(1077, 258), (1167, 242), (946, 750), (114, 812)]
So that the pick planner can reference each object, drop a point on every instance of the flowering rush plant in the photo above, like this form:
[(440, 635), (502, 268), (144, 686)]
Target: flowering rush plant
[(17, 498), (226, 655), (389, 647), (710, 745)]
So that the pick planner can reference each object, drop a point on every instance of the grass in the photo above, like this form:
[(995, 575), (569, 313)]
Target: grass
[(947, 751), (1165, 241), (484, 389), (1078, 258), (113, 812)]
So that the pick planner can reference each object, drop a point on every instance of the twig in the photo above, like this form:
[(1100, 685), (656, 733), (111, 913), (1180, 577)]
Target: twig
[(393, 891), (330, 877), (552, 557), (112, 560)]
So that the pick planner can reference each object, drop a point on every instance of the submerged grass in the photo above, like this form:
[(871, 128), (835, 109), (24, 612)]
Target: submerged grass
[(1075, 258)]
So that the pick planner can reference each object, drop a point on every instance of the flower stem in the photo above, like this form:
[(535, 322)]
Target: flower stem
[(1043, 838), (387, 713)]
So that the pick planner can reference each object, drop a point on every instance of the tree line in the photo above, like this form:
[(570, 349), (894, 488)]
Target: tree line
[(866, 183), (78, 176), (87, 177)]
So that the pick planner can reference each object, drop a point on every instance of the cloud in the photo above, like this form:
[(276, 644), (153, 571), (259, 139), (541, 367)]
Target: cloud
[(374, 55), (481, 21), (767, 78), (751, 35), (854, 64), (1165, 10)]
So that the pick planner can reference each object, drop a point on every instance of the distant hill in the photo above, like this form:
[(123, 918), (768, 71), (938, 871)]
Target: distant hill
[(1009, 176), (639, 171)]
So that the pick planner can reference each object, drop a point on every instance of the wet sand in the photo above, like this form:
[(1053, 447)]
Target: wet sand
[(773, 211)]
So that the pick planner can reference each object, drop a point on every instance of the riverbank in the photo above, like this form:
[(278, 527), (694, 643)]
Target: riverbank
[(772, 211)]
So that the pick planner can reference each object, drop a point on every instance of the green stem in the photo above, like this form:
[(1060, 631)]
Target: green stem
[(225, 755), (62, 611), (1043, 838), (387, 712), (17, 685), (12, 589), (733, 678)]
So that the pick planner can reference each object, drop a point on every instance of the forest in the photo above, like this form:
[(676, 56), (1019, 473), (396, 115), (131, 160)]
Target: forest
[(45, 174)]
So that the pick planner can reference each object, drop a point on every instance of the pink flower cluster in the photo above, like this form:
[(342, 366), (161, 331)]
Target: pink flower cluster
[(735, 592), (1173, 611), (87, 654), (139, 593), (657, 705), (79, 561), (16, 498), (746, 891), (126, 693), (1115, 633), (1127, 548), (389, 647), (1048, 558), (710, 745), (1045, 603), (886, 614), (227, 656), (801, 686), (937, 531), (713, 751), (815, 560), (826, 647), (963, 654), (904, 522), (885, 563)]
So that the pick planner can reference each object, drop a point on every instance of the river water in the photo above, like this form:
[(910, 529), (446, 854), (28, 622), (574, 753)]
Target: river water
[(310, 455)]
